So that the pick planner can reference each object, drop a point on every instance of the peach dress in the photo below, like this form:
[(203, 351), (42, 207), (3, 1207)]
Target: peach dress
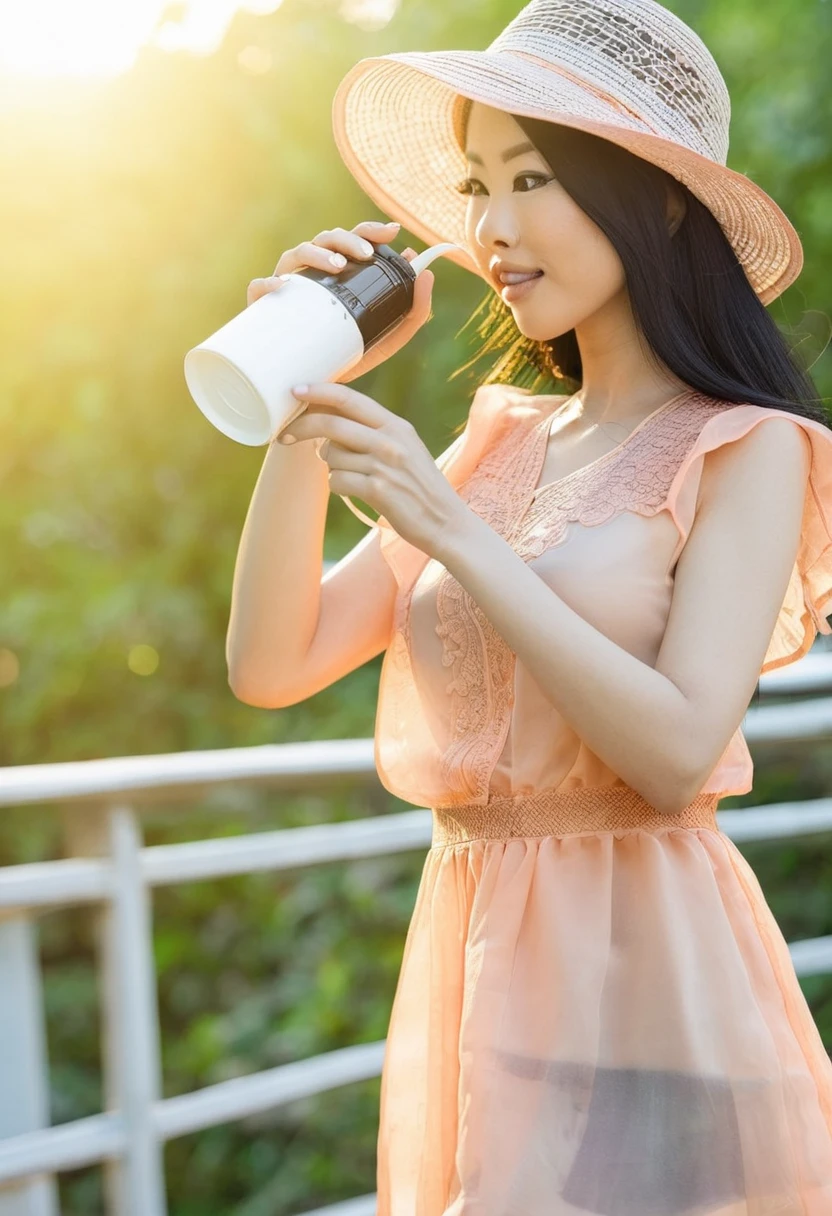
[(596, 1011)]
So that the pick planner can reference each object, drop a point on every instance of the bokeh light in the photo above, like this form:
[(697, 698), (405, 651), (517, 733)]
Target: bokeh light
[(143, 660)]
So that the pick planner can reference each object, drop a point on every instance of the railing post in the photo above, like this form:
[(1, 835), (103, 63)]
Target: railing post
[(130, 1026), (24, 1077)]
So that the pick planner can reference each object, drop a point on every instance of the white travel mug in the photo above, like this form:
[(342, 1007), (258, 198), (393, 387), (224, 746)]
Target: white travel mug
[(313, 328), (316, 326)]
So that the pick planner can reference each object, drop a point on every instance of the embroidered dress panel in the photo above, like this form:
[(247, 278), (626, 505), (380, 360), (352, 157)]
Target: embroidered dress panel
[(460, 720)]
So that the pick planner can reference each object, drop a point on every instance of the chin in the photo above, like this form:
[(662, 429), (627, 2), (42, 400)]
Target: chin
[(541, 332), (539, 323)]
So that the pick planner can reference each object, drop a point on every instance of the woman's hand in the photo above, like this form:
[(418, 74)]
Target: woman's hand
[(358, 245), (378, 456)]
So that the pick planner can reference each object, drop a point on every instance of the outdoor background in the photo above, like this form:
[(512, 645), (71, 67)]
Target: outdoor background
[(151, 168)]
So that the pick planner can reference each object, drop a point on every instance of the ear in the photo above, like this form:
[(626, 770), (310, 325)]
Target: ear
[(676, 207)]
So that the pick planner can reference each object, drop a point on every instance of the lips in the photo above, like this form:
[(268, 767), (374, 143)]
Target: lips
[(518, 291), (506, 278)]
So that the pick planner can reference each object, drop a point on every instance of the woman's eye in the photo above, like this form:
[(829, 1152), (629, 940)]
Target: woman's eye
[(466, 186)]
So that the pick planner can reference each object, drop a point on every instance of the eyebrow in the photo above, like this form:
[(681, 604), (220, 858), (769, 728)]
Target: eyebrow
[(509, 153)]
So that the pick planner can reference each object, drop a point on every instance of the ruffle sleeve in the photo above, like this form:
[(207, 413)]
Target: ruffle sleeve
[(487, 415), (808, 599)]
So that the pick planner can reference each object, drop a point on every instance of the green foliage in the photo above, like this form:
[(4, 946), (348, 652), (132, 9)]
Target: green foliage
[(139, 211)]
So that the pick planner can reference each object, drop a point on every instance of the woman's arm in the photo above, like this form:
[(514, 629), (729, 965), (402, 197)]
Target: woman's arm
[(275, 598), (662, 729)]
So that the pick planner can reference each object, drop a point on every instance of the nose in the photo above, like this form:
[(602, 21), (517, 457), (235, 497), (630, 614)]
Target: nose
[(496, 227)]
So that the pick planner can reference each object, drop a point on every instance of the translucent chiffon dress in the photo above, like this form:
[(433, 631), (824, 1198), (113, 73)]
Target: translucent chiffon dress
[(596, 1011)]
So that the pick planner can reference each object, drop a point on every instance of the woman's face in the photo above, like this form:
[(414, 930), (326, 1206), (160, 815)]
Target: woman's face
[(518, 212)]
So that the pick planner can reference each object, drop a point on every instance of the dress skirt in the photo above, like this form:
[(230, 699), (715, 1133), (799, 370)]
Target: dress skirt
[(597, 1013)]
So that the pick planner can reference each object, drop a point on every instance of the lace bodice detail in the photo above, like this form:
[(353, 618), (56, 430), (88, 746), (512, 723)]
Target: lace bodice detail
[(634, 476)]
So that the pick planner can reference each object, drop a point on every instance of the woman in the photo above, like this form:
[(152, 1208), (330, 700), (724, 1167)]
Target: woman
[(596, 1010)]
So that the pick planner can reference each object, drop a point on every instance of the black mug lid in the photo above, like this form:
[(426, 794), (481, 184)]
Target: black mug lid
[(377, 291)]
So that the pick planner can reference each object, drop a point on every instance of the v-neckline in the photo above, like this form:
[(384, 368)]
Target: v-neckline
[(541, 433)]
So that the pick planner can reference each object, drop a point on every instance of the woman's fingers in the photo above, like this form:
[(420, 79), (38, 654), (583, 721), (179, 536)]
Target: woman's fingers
[(422, 295), (377, 230), (261, 287), (422, 289), (356, 436), (347, 403), (332, 243), (337, 456), (323, 256)]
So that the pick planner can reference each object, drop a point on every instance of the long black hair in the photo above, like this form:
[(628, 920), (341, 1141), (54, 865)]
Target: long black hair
[(693, 305)]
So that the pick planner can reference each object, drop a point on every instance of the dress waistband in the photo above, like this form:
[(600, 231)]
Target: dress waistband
[(605, 808)]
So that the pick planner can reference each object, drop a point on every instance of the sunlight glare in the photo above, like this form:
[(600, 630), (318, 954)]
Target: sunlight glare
[(104, 37)]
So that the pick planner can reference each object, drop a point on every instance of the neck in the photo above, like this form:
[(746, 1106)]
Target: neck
[(619, 381)]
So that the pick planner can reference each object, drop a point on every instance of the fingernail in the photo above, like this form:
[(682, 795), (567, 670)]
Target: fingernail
[(283, 278), (287, 438), (300, 389), (336, 259), (366, 247)]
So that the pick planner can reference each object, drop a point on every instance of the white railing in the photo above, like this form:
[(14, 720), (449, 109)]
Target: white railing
[(110, 868)]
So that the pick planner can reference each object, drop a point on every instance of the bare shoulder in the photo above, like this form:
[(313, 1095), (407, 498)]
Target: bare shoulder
[(774, 456), (732, 577)]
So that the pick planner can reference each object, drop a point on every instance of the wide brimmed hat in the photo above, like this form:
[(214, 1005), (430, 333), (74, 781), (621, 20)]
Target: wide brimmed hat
[(629, 71)]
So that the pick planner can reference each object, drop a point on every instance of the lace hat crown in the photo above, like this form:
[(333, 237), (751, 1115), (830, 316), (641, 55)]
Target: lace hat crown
[(637, 53)]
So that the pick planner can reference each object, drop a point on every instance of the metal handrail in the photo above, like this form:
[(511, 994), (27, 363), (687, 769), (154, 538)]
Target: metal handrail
[(111, 794)]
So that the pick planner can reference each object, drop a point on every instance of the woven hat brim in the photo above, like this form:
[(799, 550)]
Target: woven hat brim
[(393, 124)]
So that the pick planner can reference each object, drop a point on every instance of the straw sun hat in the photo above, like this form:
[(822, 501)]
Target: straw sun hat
[(628, 71)]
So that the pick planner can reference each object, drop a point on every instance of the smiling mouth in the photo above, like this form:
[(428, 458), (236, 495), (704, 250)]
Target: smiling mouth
[(515, 291)]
